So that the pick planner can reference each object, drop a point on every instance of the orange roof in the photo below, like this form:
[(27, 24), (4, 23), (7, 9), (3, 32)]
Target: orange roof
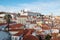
[(24, 16), (54, 28), (28, 31), (30, 37), (19, 33), (3, 24), (54, 35), (45, 27), (14, 26), (15, 29), (25, 32)]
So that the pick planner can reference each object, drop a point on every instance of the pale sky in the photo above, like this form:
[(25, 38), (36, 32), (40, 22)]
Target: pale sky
[(42, 6)]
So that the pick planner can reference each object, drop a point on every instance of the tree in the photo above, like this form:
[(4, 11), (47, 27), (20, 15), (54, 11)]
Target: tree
[(8, 18), (48, 37)]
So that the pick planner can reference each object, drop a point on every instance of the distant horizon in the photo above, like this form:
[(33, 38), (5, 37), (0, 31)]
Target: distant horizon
[(45, 7), (30, 11)]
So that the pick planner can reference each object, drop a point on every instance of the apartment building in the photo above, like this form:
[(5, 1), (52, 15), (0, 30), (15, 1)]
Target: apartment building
[(21, 19), (29, 13)]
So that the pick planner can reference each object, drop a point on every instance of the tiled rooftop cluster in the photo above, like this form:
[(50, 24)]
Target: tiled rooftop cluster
[(31, 25)]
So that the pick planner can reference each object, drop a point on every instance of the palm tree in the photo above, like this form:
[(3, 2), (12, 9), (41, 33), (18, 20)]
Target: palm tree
[(8, 18)]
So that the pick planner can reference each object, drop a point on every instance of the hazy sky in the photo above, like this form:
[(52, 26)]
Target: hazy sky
[(42, 6)]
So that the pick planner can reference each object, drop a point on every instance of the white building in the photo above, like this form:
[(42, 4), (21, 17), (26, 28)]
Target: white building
[(55, 30), (2, 20), (23, 12), (22, 19)]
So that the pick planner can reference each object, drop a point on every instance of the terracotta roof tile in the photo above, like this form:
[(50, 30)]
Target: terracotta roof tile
[(30, 37), (28, 31), (45, 27), (14, 26), (19, 33), (3, 24), (15, 29), (24, 16)]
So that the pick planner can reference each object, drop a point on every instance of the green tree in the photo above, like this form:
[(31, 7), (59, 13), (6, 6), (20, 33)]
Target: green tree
[(48, 37), (8, 18)]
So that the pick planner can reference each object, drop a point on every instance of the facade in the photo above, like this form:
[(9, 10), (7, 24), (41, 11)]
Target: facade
[(2, 20), (22, 19), (16, 31), (23, 12)]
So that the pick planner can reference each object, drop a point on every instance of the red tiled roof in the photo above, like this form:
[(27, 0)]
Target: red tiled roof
[(28, 31), (25, 32), (3, 24), (24, 16), (56, 28), (45, 27), (14, 29), (14, 26), (54, 35), (30, 37), (21, 31)]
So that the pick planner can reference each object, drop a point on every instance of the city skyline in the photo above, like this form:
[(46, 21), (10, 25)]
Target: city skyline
[(42, 6)]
